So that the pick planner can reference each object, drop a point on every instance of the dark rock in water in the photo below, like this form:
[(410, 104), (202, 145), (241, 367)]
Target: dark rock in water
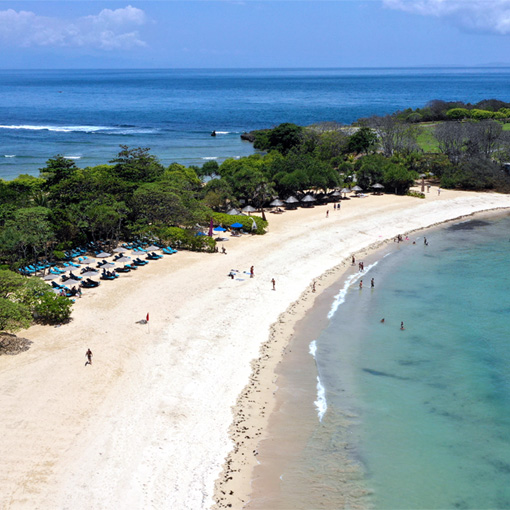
[(11, 344), (213, 133), (249, 137)]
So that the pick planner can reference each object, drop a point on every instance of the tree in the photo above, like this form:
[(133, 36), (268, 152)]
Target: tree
[(13, 316), (282, 138), (394, 134), (28, 234), (57, 169), (137, 164), (451, 137), (397, 177), (371, 170), (362, 141), (217, 194)]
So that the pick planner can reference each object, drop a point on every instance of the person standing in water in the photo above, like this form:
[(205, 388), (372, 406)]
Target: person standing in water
[(402, 326)]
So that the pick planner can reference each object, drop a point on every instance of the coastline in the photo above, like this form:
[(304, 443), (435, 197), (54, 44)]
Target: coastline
[(147, 424), (259, 401)]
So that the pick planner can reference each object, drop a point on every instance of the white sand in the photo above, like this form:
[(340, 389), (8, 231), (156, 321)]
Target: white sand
[(146, 426)]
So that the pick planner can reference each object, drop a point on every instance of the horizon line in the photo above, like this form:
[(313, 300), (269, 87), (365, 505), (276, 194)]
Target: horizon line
[(431, 66)]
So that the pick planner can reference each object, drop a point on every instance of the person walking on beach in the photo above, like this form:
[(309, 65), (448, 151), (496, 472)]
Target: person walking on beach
[(438, 191), (353, 260), (327, 213), (274, 284), (89, 357), (252, 272)]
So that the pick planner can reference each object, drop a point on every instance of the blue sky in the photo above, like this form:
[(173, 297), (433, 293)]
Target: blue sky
[(249, 33)]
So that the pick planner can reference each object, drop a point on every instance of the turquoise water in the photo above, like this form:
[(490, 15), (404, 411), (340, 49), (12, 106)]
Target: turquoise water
[(425, 412), (86, 114)]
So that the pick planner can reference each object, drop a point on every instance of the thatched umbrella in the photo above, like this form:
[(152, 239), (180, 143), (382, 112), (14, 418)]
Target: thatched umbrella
[(291, 202), (357, 189), (378, 187), (249, 209), (234, 212), (120, 249), (276, 203), (308, 200)]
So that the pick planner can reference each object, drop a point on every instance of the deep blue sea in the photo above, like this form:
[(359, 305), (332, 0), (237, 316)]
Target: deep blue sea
[(417, 418), (87, 114)]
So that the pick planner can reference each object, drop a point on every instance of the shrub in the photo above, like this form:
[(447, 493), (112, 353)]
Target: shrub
[(53, 309), (458, 114), (417, 194), (246, 221), (186, 239), (481, 114)]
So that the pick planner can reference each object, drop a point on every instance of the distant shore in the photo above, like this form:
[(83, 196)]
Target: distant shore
[(146, 426)]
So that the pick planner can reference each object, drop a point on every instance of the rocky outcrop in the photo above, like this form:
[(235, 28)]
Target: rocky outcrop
[(249, 137)]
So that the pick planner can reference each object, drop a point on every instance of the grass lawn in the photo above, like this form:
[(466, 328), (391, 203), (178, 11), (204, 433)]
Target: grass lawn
[(426, 139)]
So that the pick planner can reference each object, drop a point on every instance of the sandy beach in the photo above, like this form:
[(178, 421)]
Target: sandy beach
[(148, 424)]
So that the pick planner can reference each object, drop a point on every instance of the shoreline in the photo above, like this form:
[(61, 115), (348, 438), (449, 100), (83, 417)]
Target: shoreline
[(258, 402), (146, 426)]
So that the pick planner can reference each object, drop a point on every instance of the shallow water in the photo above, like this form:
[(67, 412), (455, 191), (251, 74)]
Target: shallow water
[(416, 418)]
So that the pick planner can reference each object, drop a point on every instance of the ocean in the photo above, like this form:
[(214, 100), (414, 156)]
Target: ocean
[(86, 114), (417, 418)]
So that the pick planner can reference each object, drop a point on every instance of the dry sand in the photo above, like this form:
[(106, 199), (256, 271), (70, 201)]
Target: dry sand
[(147, 425)]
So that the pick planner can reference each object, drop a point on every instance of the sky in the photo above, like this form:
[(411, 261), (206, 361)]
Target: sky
[(249, 33)]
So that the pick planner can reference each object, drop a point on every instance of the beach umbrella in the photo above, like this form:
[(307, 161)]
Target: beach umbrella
[(50, 276), (345, 190), (89, 274), (120, 249), (308, 198), (357, 188), (219, 229), (103, 255), (234, 212), (291, 200), (123, 260), (378, 186), (153, 247), (249, 209), (86, 260), (108, 265), (336, 193), (276, 203), (236, 225)]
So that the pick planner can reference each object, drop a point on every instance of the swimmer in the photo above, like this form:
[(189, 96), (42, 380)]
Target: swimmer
[(401, 326), (382, 320)]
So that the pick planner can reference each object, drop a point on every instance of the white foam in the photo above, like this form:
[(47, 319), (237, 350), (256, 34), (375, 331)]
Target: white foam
[(61, 129), (222, 132), (210, 157), (9, 155), (340, 297), (313, 348), (321, 403), (72, 157)]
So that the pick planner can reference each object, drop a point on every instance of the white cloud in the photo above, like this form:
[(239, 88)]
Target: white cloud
[(108, 30), (474, 15)]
